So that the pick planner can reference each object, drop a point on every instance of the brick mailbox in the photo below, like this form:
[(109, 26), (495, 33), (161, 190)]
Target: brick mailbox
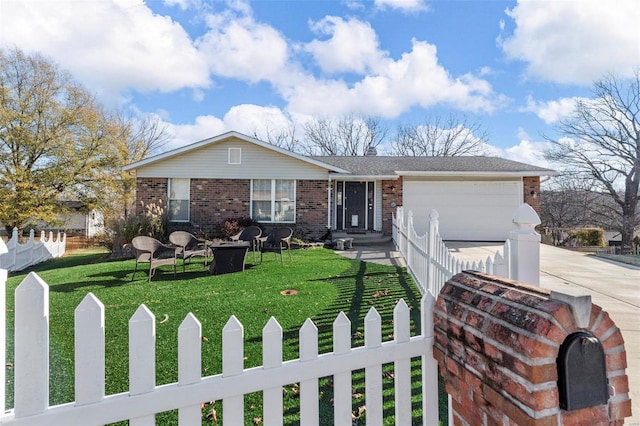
[(513, 354)]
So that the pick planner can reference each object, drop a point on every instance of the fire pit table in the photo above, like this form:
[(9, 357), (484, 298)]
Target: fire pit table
[(228, 257)]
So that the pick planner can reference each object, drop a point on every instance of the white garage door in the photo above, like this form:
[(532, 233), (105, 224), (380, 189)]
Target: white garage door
[(468, 211)]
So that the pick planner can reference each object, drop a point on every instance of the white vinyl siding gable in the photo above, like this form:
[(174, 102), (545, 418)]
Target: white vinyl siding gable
[(212, 162)]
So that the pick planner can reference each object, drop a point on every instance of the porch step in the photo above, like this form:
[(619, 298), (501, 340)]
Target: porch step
[(370, 238)]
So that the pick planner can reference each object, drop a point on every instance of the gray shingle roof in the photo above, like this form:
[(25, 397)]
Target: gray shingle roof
[(383, 165)]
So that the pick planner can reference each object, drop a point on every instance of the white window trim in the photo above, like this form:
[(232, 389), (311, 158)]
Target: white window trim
[(273, 200), (188, 201), (234, 156)]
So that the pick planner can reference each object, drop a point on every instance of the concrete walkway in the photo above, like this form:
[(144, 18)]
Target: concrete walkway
[(613, 286)]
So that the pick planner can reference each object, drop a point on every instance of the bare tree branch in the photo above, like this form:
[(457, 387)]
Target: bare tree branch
[(442, 137), (601, 143)]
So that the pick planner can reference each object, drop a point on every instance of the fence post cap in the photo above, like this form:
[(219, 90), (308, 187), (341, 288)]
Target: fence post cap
[(525, 215)]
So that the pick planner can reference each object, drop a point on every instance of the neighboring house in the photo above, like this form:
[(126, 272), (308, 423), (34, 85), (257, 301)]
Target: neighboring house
[(233, 175), (75, 220)]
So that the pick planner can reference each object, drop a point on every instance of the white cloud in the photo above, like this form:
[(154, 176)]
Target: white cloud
[(245, 118), (250, 119), (110, 45), (205, 126), (403, 5), (575, 42), (238, 47), (553, 111), (182, 4), (529, 152), (415, 79), (353, 46)]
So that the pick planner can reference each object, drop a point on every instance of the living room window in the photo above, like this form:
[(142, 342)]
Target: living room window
[(179, 196), (273, 200)]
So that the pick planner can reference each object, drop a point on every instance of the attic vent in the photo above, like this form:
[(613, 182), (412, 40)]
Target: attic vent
[(235, 155), (371, 151)]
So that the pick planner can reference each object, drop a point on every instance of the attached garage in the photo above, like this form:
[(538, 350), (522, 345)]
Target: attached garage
[(472, 210)]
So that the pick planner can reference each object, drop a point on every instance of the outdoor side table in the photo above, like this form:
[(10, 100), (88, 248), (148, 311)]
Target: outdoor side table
[(228, 257)]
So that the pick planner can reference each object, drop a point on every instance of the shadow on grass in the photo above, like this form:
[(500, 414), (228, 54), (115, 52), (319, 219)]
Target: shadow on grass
[(121, 277), (361, 287)]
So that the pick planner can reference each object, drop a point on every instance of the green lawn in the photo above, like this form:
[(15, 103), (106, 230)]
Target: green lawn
[(326, 283)]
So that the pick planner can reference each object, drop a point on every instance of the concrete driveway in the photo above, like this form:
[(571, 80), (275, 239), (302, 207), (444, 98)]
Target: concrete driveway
[(613, 286)]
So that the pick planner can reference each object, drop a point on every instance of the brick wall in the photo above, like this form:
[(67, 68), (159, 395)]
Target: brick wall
[(312, 208), (496, 343), (531, 189), (215, 200), (150, 190), (391, 198)]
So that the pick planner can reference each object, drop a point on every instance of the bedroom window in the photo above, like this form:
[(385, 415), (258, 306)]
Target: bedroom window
[(273, 200), (179, 195)]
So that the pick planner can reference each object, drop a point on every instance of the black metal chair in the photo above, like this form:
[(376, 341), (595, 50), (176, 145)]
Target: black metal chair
[(250, 234), (151, 251), (278, 240), (188, 246)]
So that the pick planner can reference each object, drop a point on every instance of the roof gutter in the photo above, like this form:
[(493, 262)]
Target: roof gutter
[(476, 174), (349, 177)]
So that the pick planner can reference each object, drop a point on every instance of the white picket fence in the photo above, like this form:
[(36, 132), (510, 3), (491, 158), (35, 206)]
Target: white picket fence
[(21, 256), (144, 399), (431, 263)]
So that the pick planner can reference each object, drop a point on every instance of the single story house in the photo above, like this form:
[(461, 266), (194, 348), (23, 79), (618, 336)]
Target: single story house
[(233, 175)]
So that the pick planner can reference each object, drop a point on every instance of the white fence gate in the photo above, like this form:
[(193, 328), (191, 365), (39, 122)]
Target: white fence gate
[(431, 263), (20, 256), (145, 399)]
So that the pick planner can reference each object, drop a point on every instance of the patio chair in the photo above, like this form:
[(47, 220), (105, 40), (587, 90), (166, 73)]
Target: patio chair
[(188, 246), (250, 234), (151, 251), (278, 240)]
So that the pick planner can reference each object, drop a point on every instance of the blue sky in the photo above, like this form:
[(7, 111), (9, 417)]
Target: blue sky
[(206, 67)]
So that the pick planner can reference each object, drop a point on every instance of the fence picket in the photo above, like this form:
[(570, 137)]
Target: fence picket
[(402, 367), (3, 323), (342, 380), (232, 365), (272, 358), (31, 364), (189, 365), (89, 351), (373, 374), (142, 358), (429, 365), (309, 405)]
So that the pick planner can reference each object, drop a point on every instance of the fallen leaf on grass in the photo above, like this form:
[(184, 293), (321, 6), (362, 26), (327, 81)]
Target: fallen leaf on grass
[(212, 413)]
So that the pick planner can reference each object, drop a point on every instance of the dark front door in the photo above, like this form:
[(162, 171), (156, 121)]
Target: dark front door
[(355, 205)]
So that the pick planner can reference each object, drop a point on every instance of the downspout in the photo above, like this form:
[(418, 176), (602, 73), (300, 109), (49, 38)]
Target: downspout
[(329, 205)]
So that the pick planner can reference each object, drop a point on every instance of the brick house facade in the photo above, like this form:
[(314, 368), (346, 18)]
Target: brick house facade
[(221, 173)]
